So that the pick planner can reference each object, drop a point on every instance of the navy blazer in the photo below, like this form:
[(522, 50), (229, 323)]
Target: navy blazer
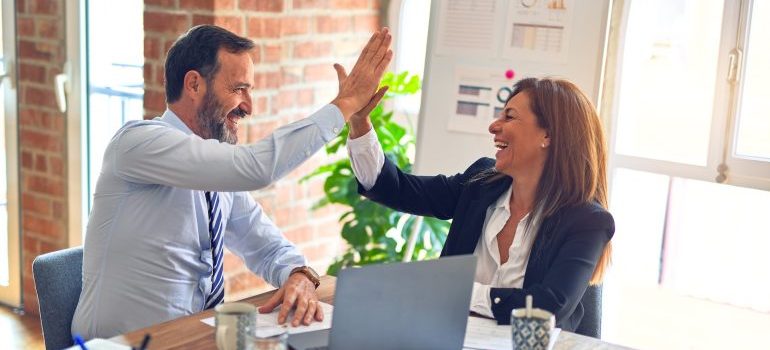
[(565, 252)]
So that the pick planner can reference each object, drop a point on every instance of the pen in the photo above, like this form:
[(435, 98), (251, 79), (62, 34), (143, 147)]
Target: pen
[(79, 341), (145, 341)]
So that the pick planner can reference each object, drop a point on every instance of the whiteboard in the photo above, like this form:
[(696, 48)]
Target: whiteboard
[(572, 47)]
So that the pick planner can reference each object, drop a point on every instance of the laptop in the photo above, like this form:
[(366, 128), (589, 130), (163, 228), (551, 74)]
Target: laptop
[(417, 305)]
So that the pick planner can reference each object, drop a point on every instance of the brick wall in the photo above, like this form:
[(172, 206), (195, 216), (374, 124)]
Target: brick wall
[(297, 42), (41, 55)]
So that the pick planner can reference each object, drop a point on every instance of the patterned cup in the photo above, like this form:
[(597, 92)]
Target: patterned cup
[(235, 322), (533, 332)]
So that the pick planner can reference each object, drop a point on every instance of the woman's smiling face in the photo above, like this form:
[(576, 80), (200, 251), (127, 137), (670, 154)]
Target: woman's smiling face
[(520, 141)]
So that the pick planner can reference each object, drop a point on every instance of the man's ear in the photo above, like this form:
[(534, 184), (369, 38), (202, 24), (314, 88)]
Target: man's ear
[(194, 85)]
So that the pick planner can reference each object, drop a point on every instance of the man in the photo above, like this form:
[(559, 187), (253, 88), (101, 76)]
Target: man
[(171, 192)]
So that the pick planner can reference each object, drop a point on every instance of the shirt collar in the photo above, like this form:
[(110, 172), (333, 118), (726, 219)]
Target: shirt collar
[(504, 201), (171, 118)]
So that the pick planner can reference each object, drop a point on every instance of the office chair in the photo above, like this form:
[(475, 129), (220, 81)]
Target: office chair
[(58, 278), (591, 324)]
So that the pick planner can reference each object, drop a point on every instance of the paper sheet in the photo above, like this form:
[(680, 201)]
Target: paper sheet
[(468, 28), (267, 324), (482, 333), (479, 96), (102, 344), (538, 30)]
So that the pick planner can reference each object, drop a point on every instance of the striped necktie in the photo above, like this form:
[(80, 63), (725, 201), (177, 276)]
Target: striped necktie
[(215, 232)]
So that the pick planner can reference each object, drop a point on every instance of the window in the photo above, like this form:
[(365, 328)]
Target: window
[(10, 249), (410, 19), (690, 172)]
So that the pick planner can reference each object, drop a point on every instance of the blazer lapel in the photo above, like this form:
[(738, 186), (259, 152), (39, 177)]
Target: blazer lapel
[(464, 239)]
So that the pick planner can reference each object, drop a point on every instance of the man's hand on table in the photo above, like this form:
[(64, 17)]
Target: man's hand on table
[(298, 292)]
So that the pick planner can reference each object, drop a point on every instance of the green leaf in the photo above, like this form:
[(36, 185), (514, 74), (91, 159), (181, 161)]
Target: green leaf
[(369, 228)]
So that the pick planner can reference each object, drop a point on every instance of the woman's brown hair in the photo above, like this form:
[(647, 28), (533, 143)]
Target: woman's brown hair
[(575, 171)]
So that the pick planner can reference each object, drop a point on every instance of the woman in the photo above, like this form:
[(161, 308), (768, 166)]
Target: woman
[(535, 216)]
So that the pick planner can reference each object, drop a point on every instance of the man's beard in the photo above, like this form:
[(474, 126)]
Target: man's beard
[(212, 120)]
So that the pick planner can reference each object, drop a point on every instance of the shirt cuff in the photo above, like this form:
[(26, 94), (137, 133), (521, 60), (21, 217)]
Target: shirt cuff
[(286, 272), (366, 158), (330, 120), (363, 143), (480, 302)]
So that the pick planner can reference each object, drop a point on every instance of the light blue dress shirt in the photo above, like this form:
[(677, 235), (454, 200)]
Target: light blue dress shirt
[(147, 253)]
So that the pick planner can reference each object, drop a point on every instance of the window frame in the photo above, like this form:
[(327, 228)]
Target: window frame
[(741, 172)]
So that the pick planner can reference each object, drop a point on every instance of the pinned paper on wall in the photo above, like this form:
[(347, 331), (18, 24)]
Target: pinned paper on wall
[(538, 30), (480, 95), (468, 28)]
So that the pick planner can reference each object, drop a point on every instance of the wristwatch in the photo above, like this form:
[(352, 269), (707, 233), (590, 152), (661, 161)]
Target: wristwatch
[(309, 272)]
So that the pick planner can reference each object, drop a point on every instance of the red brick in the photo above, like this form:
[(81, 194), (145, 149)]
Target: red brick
[(44, 185), (151, 48), (319, 251), (312, 49), (260, 130), (349, 4), (164, 22), (30, 72), (261, 5), (25, 27), (44, 7), (41, 141), (267, 80), (367, 23), (258, 28), (42, 227), (160, 76), (290, 215), (294, 25), (305, 97), (40, 163), (49, 28), (326, 24), (242, 282), (231, 23), (36, 204), (319, 72), (39, 97), (26, 160), (272, 53), (154, 100), (312, 4), (196, 4), (285, 99), (300, 234), (35, 51), (57, 165), (160, 3), (58, 210)]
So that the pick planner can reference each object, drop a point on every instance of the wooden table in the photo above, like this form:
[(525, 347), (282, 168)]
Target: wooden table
[(190, 333)]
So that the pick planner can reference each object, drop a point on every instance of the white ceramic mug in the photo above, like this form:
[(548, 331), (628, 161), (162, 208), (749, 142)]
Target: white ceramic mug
[(234, 323)]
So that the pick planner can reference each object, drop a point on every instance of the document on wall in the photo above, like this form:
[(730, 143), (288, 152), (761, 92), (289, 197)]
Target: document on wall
[(538, 30), (267, 324), (482, 333), (479, 96), (468, 28)]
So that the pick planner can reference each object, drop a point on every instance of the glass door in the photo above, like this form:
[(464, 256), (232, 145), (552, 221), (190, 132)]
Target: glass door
[(10, 272)]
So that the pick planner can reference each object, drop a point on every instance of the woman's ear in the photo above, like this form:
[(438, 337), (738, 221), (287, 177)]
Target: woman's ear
[(194, 85), (546, 141)]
